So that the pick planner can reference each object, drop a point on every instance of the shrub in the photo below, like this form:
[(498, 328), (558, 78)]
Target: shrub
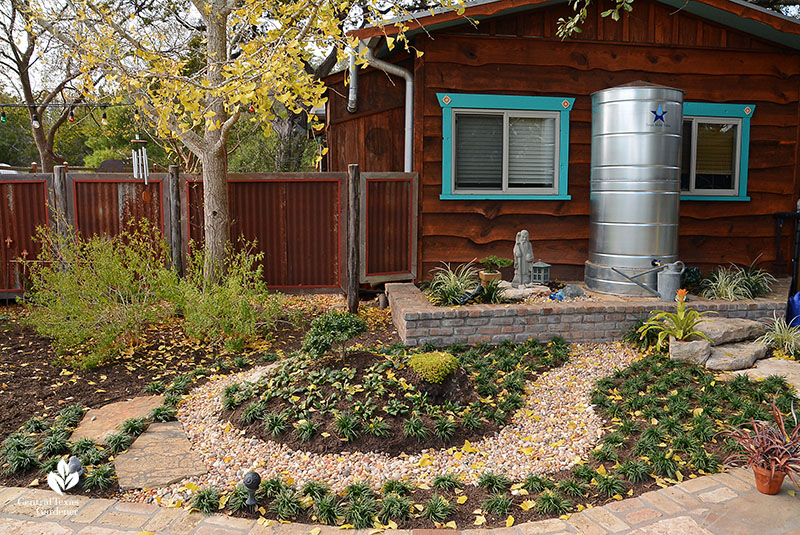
[(493, 263), (449, 286), (238, 498), (119, 442), (233, 309), (332, 328), (360, 511), (99, 293), (550, 503), (433, 367), (395, 486)]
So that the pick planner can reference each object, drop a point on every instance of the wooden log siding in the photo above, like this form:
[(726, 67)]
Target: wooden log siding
[(520, 54)]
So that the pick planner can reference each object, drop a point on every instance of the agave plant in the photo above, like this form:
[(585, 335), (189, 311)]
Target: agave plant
[(768, 445), (682, 324)]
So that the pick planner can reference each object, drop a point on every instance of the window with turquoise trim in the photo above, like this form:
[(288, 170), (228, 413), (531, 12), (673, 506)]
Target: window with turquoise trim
[(504, 146), (716, 148)]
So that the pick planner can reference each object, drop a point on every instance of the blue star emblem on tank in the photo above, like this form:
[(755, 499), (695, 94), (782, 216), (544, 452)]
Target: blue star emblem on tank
[(658, 114)]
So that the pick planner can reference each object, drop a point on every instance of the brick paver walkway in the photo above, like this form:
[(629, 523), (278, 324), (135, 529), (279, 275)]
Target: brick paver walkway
[(720, 504)]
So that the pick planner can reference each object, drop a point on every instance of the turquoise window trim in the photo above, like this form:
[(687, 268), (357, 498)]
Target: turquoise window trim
[(452, 101), (741, 111)]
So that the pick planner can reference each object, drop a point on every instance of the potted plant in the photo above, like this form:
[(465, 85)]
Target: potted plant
[(679, 326), (493, 264), (770, 449)]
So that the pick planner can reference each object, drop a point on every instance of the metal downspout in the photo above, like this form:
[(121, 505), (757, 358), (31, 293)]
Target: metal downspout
[(352, 98), (389, 68)]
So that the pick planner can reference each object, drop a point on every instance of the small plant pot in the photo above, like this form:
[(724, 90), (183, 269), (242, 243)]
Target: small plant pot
[(767, 482), (487, 276)]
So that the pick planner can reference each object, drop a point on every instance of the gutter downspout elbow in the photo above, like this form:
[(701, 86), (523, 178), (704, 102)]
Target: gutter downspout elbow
[(391, 68), (352, 97)]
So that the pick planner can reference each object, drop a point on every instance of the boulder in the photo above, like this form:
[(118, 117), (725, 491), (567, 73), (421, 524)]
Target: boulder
[(737, 356), (727, 330), (696, 351), (572, 291), (789, 369)]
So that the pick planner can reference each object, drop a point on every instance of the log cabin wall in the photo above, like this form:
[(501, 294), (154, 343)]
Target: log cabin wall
[(520, 54)]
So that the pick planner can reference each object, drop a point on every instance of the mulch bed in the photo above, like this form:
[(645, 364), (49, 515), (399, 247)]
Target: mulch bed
[(456, 388)]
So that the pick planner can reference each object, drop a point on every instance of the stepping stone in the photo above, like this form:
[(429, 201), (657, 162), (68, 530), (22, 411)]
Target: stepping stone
[(696, 351), (735, 356), (790, 369), (726, 330), (97, 424), (159, 457)]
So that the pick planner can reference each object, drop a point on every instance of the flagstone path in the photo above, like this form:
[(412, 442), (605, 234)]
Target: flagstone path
[(97, 424), (161, 456), (722, 504)]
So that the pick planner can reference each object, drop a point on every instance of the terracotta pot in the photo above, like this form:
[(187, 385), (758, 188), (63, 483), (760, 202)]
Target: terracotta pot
[(487, 276), (766, 482)]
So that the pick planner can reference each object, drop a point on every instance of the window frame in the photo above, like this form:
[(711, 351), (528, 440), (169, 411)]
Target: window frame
[(716, 113), (510, 106)]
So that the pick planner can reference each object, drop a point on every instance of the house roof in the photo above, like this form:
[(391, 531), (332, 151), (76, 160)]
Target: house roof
[(738, 14)]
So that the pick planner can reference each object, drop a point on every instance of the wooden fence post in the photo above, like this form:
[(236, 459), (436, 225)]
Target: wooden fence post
[(175, 217), (59, 208), (353, 242)]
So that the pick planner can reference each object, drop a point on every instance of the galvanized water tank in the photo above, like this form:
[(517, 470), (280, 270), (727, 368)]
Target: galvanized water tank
[(635, 185)]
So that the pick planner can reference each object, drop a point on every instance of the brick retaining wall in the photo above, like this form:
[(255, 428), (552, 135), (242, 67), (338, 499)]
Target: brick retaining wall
[(418, 321)]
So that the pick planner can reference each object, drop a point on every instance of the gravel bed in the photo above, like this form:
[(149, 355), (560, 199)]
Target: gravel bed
[(557, 427)]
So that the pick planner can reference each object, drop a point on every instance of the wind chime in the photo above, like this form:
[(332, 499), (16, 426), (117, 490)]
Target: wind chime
[(139, 159)]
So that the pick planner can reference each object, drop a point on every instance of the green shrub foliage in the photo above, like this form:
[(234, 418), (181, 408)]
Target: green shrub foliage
[(235, 307), (98, 293), (333, 328), (434, 366)]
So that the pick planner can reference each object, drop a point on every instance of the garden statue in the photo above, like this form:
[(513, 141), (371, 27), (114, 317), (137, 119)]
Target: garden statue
[(523, 259)]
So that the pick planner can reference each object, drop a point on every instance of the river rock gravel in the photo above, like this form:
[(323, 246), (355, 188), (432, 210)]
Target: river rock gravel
[(555, 428)]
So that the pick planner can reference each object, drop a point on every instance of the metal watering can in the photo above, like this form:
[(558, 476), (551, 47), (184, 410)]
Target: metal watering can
[(669, 280)]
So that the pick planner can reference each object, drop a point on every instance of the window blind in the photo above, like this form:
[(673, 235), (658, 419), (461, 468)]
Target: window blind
[(531, 152), (479, 151)]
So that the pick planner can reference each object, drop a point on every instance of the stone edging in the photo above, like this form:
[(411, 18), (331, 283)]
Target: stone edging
[(32, 511), (418, 321)]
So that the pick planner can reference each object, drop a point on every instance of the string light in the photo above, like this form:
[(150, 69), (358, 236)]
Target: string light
[(35, 122), (104, 119), (3, 118), (251, 109), (71, 116)]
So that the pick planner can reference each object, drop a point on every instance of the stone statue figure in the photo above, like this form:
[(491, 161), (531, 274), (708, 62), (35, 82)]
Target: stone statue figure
[(523, 259)]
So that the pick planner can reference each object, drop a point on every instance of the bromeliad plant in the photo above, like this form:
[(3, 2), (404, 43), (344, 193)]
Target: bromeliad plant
[(681, 324), (769, 447)]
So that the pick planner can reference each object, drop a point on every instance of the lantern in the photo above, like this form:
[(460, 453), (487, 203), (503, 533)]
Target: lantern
[(540, 272)]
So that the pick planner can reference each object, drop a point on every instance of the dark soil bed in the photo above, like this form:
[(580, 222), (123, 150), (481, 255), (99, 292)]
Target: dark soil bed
[(487, 386), (35, 382)]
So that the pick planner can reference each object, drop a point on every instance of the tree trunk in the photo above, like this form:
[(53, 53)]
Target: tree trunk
[(47, 156), (214, 157), (215, 201)]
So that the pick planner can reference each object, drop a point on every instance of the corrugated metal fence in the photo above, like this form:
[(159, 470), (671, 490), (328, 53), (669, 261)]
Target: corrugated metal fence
[(296, 219)]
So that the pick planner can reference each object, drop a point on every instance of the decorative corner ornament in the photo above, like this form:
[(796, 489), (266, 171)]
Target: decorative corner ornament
[(748, 110), (565, 104), (446, 100)]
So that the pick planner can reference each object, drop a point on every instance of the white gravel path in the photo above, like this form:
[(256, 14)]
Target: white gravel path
[(557, 426)]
